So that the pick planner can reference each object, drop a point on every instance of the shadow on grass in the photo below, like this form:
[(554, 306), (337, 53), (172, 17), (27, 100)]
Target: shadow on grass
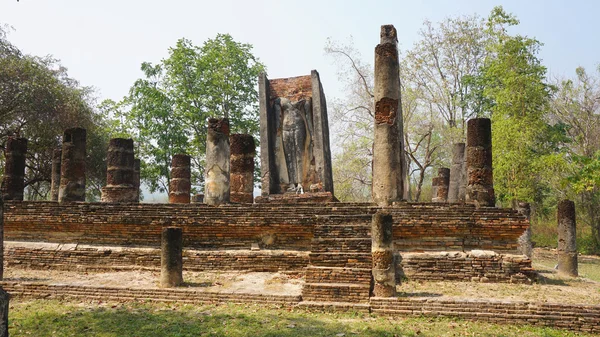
[(551, 281), (147, 322)]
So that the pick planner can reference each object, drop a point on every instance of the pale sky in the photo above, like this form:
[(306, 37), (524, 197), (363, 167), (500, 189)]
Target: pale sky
[(103, 43)]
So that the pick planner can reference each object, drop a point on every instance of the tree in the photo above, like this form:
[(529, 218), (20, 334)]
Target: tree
[(166, 112), (38, 101), (577, 106)]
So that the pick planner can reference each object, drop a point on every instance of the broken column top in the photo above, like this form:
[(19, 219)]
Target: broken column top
[(479, 132), (220, 125), (126, 143), (388, 34), (179, 160), (74, 135), (242, 144), (15, 144)]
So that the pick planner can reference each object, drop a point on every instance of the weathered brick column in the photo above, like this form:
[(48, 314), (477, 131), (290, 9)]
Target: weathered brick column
[(4, 305), (480, 180), (180, 185), (441, 184), (525, 245), (13, 182), (72, 169), (120, 185), (1, 238), (382, 251), (171, 257), (387, 150), (243, 151), (55, 185), (456, 190), (567, 234), (136, 178), (217, 162)]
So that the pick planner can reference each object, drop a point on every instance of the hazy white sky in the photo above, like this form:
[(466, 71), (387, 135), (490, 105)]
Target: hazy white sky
[(103, 43)]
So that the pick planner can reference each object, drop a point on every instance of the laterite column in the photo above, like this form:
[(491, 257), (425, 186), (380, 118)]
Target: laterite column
[(388, 185), (456, 190), (480, 180), (567, 234), (171, 257), (1, 239), (120, 185), (441, 184), (72, 169), (136, 178), (13, 182), (382, 251), (180, 185), (243, 151), (55, 185), (525, 245), (217, 162), (4, 299)]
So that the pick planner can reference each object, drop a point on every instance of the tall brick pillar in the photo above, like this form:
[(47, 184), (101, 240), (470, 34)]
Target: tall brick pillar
[(13, 182), (525, 245), (480, 180), (456, 189), (1, 238), (567, 234), (243, 151), (440, 185), (217, 162), (55, 185), (382, 251), (171, 257), (72, 170), (136, 178), (120, 185), (4, 299), (180, 185), (388, 182)]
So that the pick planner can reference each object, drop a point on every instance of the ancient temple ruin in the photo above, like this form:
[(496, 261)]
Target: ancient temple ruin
[(294, 135)]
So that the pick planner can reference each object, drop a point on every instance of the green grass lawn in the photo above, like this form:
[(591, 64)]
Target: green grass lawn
[(52, 318)]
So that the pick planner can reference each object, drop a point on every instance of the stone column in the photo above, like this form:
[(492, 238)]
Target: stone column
[(441, 183), (56, 160), (387, 150), (171, 257), (136, 178), (567, 246), (382, 251), (13, 182), (120, 185), (4, 305), (217, 162), (243, 151), (480, 181), (1, 238), (180, 185), (72, 169), (457, 180), (525, 245)]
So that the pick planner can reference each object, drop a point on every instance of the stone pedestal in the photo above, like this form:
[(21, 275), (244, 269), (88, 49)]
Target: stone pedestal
[(243, 151), (72, 170), (136, 178), (388, 182), (56, 162), (458, 182), (480, 181), (567, 234), (120, 185), (382, 251), (180, 185), (13, 182), (217, 162), (4, 305), (440, 185), (525, 245), (171, 257)]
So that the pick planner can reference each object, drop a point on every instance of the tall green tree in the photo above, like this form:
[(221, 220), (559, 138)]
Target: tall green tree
[(38, 101), (166, 111)]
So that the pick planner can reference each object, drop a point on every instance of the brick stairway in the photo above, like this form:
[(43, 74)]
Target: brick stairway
[(339, 270)]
